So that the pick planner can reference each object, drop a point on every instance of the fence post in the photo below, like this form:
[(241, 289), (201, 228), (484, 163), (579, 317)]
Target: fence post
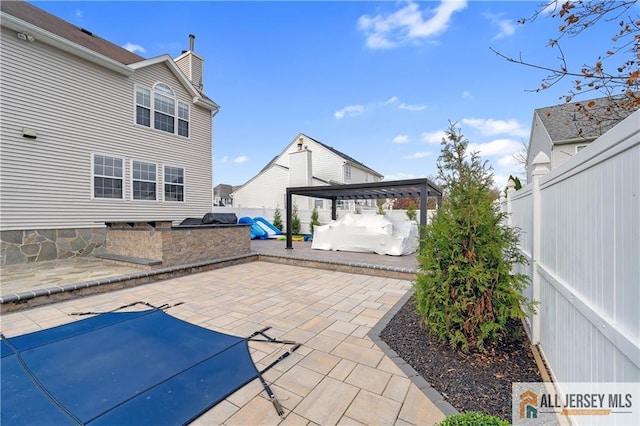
[(511, 189), (540, 168)]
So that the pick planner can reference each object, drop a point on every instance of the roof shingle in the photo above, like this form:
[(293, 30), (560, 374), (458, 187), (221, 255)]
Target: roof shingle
[(38, 17)]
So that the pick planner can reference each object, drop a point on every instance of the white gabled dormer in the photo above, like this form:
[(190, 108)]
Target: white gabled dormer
[(191, 64)]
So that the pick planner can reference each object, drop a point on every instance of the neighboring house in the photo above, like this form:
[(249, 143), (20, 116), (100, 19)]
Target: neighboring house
[(92, 133), (222, 195), (561, 131), (303, 162)]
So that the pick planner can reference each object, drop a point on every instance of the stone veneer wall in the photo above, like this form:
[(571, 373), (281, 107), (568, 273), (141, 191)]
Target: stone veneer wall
[(183, 246), (141, 243), (179, 246), (24, 246)]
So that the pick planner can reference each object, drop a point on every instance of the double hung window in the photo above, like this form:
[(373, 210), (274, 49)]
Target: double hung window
[(107, 177), (173, 183), (143, 180)]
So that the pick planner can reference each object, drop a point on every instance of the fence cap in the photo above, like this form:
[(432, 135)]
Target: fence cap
[(541, 159), (541, 164)]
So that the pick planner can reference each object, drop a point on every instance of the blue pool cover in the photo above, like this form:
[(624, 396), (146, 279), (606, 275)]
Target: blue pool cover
[(143, 367)]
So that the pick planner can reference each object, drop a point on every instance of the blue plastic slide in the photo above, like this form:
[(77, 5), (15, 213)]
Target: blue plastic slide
[(257, 233), (267, 226)]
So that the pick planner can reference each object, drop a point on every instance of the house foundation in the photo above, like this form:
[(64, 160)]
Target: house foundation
[(37, 245)]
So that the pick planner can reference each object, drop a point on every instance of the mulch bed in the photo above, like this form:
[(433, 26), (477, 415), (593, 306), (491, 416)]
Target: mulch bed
[(469, 382)]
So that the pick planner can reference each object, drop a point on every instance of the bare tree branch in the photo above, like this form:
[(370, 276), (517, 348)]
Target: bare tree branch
[(621, 83)]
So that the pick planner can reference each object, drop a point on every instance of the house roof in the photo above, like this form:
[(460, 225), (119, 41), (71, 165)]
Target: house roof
[(345, 156), (83, 37), (330, 148), (80, 41), (567, 122), (223, 190)]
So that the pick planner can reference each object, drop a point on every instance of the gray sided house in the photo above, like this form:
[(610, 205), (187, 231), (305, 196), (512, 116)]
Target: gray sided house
[(303, 162), (92, 133), (222, 195), (561, 131)]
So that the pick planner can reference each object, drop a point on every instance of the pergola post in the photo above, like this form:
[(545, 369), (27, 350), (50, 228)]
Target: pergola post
[(289, 220), (334, 208), (424, 195)]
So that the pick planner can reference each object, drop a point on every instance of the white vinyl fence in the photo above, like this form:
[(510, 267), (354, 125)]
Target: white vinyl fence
[(580, 229)]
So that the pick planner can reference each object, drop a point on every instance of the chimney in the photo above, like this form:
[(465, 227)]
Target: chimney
[(191, 64)]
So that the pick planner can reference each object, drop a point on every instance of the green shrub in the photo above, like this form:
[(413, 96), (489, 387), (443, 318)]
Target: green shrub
[(277, 218), (472, 418), (314, 219), (467, 290), (412, 214), (295, 220), (380, 204)]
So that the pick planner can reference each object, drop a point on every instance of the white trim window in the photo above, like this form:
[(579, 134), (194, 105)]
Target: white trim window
[(143, 181), (183, 119), (347, 172), (107, 177), (162, 116), (173, 183), (319, 204)]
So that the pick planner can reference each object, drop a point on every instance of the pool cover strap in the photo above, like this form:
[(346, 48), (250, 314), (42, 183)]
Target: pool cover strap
[(144, 367)]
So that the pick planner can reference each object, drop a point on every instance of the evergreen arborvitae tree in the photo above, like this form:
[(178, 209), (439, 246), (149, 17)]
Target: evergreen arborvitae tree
[(412, 214), (467, 290), (277, 218), (380, 204), (295, 220), (314, 219)]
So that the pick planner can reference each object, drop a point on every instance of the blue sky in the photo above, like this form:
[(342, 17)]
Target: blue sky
[(378, 80)]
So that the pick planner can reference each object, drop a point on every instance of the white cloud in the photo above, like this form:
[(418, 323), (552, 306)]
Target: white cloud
[(506, 27), (359, 109), (491, 127), (508, 161), (351, 111), (501, 147), (412, 107), (399, 176), (134, 48), (433, 137), (417, 155), (241, 159), (401, 139), (79, 14), (407, 24), (222, 160), (467, 95), (500, 180)]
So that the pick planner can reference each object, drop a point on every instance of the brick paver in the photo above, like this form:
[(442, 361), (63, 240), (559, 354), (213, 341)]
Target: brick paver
[(338, 376)]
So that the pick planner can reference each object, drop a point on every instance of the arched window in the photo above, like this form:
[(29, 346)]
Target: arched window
[(162, 101)]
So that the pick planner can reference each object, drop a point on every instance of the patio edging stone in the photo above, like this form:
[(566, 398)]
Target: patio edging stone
[(374, 334)]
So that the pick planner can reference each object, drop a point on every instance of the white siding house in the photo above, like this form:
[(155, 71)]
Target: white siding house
[(92, 133), (303, 162), (561, 131)]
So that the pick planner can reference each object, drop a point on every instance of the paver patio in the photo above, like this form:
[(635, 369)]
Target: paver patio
[(338, 376)]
